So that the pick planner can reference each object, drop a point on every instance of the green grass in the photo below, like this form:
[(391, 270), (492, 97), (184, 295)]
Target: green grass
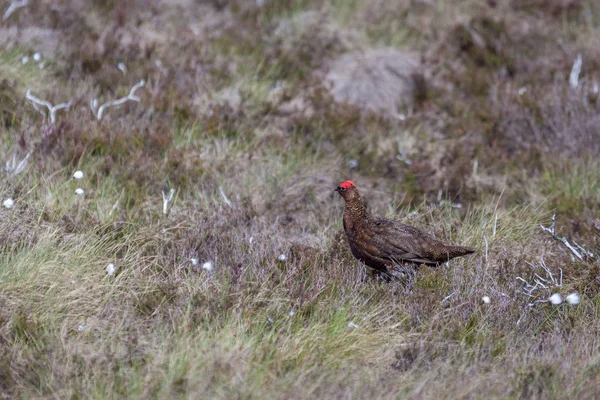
[(26, 76), (254, 181), (573, 188)]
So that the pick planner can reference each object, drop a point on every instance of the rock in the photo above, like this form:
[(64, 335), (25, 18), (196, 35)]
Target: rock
[(381, 80)]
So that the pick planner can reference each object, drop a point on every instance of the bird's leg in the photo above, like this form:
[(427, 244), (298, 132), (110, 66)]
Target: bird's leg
[(384, 276), (372, 273), (403, 271)]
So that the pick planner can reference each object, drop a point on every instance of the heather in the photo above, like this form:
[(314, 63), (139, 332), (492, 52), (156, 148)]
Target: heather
[(200, 253)]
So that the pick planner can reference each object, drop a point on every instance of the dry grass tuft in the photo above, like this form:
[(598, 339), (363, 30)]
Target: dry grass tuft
[(242, 285)]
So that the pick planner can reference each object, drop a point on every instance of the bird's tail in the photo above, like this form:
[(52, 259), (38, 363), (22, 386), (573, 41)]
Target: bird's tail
[(458, 251)]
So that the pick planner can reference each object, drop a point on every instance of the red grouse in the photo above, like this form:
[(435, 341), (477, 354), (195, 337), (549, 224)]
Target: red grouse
[(381, 243)]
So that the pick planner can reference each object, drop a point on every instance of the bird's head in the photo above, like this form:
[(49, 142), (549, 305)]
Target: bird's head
[(347, 190)]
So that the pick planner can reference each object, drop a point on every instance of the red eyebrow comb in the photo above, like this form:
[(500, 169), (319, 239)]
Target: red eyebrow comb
[(347, 184)]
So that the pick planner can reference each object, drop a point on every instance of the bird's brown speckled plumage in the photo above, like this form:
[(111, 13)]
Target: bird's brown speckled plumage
[(382, 243)]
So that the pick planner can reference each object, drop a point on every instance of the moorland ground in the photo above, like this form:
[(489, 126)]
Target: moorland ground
[(464, 118)]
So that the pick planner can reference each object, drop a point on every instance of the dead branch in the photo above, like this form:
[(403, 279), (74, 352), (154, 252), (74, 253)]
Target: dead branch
[(14, 6), (130, 97), (575, 250), (52, 109)]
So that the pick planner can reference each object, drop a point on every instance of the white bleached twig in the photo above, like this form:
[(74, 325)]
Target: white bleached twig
[(575, 71), (52, 109), (401, 156), (448, 297), (13, 168), (224, 196), (453, 205), (552, 231), (14, 6), (130, 97), (94, 106), (167, 199), (542, 286)]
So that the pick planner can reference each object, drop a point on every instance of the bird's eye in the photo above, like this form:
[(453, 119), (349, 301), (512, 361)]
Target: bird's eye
[(342, 189)]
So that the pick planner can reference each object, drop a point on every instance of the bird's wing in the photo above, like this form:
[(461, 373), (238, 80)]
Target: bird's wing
[(401, 242)]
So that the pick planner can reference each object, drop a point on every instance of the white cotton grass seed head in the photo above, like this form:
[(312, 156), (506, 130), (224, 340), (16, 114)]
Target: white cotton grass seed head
[(78, 175), (79, 192), (8, 203), (110, 269), (25, 60), (81, 328), (555, 299), (352, 325), (486, 300), (282, 257), (194, 261), (37, 56), (208, 266), (573, 298)]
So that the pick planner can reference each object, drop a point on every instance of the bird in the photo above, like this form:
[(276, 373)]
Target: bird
[(389, 246)]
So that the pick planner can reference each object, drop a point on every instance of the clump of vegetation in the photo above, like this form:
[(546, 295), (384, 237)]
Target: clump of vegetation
[(189, 243)]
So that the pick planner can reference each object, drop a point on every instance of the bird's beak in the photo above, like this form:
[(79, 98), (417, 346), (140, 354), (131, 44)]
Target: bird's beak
[(337, 189)]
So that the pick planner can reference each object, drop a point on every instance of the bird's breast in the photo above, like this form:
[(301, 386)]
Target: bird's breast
[(360, 239)]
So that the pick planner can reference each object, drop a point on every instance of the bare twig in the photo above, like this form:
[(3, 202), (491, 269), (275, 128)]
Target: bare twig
[(14, 6), (529, 289), (224, 197), (13, 168), (166, 200), (52, 109), (552, 231), (402, 156), (448, 297), (575, 71), (583, 250), (130, 97), (94, 106), (543, 286)]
